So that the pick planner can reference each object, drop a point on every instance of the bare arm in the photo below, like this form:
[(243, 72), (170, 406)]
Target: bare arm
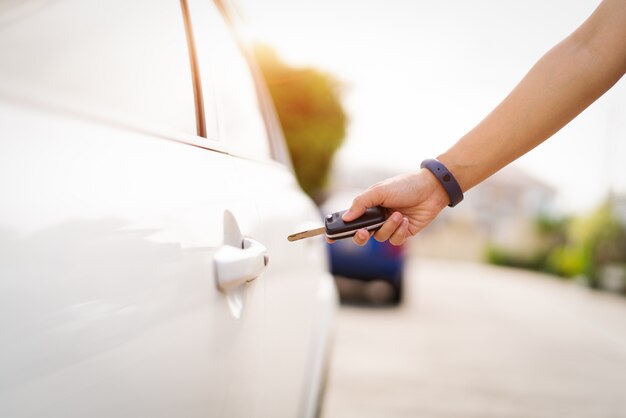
[(566, 80)]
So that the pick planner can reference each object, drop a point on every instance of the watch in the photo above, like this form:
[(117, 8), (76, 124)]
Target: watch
[(447, 180)]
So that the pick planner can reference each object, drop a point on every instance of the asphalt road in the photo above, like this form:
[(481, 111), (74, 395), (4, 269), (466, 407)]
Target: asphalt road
[(479, 341)]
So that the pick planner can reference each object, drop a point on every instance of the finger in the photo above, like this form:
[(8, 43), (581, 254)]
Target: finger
[(369, 198), (330, 241), (401, 234), (361, 237), (389, 227)]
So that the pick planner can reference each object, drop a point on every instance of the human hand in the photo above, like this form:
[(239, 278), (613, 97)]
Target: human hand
[(413, 199)]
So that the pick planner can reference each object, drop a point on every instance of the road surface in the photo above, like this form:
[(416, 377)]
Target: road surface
[(477, 341)]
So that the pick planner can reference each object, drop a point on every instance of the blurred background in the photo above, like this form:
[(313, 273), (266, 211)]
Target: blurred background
[(366, 90)]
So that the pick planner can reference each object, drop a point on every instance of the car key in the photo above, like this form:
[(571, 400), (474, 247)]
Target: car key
[(335, 227)]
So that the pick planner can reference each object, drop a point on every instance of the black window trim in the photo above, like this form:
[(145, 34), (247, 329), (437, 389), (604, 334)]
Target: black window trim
[(195, 72)]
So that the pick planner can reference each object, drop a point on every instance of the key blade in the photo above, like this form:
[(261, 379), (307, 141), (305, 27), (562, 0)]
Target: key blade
[(307, 234)]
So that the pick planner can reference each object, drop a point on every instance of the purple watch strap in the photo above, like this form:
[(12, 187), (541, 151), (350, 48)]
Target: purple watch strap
[(446, 179)]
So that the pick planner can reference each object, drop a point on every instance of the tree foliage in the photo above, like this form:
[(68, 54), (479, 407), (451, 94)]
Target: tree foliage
[(313, 120), (579, 246)]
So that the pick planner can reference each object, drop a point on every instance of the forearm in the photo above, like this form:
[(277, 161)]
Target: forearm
[(562, 84)]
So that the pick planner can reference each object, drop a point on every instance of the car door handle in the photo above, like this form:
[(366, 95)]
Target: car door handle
[(235, 267)]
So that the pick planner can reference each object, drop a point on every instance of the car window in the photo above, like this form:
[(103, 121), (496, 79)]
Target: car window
[(128, 59), (227, 83)]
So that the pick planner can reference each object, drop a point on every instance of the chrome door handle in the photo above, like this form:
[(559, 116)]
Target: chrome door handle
[(235, 267)]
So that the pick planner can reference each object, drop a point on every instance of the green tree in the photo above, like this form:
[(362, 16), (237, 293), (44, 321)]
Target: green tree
[(579, 246), (593, 241), (604, 238), (313, 120)]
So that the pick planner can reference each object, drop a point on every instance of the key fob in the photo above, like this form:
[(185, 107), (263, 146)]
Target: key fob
[(372, 220)]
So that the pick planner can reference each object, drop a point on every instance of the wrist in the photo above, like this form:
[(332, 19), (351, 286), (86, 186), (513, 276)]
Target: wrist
[(435, 190), (458, 170), (446, 179)]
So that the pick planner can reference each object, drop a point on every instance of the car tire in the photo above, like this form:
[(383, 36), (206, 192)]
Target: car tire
[(397, 285)]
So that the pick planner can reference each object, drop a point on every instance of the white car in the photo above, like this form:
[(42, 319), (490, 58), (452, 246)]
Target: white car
[(145, 203)]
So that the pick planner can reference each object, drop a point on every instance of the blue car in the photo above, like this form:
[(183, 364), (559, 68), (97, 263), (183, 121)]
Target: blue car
[(374, 261)]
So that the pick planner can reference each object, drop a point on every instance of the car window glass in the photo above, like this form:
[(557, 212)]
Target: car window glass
[(128, 59), (226, 77)]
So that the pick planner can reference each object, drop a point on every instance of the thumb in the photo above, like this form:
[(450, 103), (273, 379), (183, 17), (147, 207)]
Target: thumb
[(369, 198)]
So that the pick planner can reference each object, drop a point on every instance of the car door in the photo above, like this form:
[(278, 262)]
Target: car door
[(300, 297), (114, 213)]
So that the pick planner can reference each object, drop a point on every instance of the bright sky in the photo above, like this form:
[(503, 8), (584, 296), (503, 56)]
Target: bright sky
[(420, 74)]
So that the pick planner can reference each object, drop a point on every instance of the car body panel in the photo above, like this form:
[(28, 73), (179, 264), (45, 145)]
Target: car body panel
[(108, 226), (110, 275), (375, 260)]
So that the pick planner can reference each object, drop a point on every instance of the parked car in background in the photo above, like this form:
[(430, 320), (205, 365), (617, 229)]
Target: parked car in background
[(146, 200), (374, 262)]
